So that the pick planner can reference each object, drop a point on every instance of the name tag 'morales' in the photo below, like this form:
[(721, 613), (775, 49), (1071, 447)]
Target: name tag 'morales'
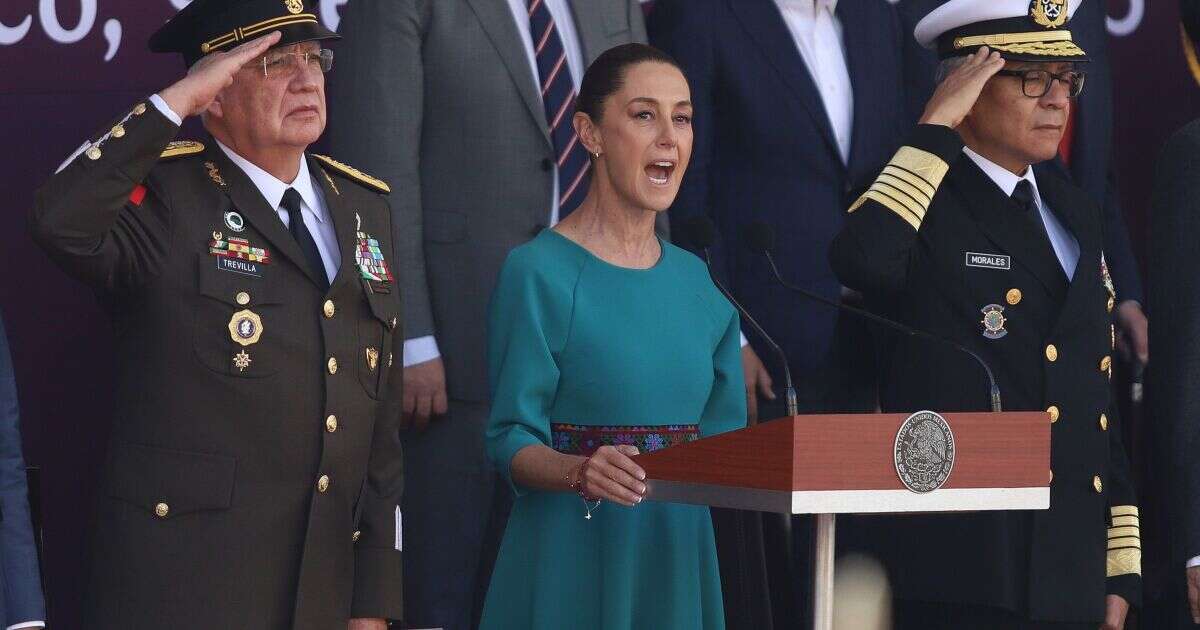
[(989, 261)]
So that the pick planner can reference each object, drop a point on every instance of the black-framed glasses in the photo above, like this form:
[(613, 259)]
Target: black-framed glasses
[(1036, 83), (278, 63)]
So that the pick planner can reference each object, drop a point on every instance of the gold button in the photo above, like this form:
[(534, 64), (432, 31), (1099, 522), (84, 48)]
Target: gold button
[(1111, 303), (1053, 410), (1103, 422), (1013, 297), (1097, 484), (1051, 353), (332, 365), (323, 483), (1105, 363), (118, 131), (354, 536), (242, 298), (161, 510), (331, 423), (94, 153), (328, 309), (140, 109)]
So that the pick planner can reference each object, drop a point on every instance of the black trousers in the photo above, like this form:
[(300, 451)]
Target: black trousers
[(911, 615)]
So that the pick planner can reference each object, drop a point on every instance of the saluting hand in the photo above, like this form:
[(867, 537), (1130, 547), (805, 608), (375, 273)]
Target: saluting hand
[(193, 93), (957, 93)]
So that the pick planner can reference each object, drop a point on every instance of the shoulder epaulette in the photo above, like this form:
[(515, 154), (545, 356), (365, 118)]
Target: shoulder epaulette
[(180, 148), (349, 171)]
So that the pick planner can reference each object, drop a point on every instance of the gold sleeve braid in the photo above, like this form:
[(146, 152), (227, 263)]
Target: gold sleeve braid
[(1124, 542), (907, 184)]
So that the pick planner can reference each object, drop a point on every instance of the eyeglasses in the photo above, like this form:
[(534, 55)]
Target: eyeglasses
[(1036, 83), (278, 64)]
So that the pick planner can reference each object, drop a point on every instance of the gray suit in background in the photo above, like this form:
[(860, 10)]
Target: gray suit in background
[(437, 97)]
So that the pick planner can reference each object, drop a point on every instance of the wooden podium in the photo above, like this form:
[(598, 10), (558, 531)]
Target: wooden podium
[(838, 464)]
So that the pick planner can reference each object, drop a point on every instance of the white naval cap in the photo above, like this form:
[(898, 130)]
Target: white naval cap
[(1021, 30)]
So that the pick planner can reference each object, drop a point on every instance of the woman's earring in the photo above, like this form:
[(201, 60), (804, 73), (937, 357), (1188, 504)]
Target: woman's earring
[(596, 154)]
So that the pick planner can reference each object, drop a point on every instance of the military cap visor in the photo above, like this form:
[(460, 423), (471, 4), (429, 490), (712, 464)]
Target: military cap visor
[(207, 26), (1021, 30)]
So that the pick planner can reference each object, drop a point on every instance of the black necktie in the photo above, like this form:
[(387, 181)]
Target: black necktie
[(1023, 197), (291, 203)]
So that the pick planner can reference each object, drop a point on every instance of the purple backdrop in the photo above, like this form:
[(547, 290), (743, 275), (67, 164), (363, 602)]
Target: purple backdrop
[(67, 67)]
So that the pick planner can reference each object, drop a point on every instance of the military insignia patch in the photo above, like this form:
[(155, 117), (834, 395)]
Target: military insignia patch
[(1048, 13), (241, 361), (368, 257), (245, 327), (993, 322), (372, 359), (924, 452), (1106, 277), (234, 221), (293, 6), (214, 174), (237, 254)]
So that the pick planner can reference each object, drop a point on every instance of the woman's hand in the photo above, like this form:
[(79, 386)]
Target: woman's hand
[(610, 474)]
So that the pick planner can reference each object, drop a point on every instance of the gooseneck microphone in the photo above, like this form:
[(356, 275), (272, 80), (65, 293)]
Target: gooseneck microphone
[(760, 239), (701, 233)]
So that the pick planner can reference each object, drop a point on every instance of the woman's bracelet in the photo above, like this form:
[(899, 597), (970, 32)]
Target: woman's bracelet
[(589, 503)]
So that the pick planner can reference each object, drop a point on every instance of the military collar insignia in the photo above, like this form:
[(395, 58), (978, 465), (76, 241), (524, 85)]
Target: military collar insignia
[(214, 174), (377, 185), (332, 185), (1048, 13), (993, 322)]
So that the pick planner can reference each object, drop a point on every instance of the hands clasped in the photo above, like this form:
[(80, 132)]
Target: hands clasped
[(611, 474)]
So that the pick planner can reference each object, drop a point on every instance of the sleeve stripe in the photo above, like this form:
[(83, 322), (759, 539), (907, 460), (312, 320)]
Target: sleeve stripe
[(912, 178), (1124, 510), (1123, 562), (923, 164), (914, 206), (1124, 521), (891, 204), (1117, 532), (1124, 543), (905, 186)]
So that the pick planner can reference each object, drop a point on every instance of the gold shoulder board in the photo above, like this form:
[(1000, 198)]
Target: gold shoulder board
[(349, 171), (180, 148)]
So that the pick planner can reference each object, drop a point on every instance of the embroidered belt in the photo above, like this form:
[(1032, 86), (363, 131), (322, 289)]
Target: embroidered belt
[(576, 439)]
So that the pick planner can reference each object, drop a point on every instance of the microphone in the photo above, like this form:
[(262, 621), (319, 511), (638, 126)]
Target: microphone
[(760, 239), (701, 233)]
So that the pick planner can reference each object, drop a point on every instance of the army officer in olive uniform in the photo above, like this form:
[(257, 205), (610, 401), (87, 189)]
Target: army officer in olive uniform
[(254, 471), (967, 243)]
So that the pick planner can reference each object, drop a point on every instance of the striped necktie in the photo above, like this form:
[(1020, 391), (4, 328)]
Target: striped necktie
[(558, 99)]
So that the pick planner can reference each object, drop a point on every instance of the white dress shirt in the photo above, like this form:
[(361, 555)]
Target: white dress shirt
[(1066, 248), (422, 349), (818, 34)]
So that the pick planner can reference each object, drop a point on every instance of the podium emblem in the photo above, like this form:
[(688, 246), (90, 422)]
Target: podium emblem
[(924, 452)]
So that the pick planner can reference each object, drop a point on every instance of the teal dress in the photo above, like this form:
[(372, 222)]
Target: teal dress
[(576, 341)]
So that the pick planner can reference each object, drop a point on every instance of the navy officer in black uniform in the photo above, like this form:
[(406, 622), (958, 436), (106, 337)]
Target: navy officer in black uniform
[(254, 472), (965, 242)]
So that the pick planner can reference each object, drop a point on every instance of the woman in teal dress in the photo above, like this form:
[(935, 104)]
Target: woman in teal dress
[(605, 341)]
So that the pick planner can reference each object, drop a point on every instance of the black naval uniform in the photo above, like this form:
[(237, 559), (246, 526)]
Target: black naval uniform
[(944, 256), (254, 470)]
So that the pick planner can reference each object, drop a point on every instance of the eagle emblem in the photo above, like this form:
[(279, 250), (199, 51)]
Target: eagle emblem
[(1048, 13), (293, 6)]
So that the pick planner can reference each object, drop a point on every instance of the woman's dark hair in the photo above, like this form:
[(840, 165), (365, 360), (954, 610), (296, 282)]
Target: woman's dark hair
[(607, 73)]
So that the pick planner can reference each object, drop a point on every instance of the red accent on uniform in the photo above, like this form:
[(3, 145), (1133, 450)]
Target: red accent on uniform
[(1064, 145), (138, 194)]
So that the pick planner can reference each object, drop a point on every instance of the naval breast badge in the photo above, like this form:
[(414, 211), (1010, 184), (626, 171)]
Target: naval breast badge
[(993, 321), (368, 257)]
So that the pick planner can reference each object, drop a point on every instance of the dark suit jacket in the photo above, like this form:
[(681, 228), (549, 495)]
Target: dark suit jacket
[(765, 150), (1174, 298), (20, 576), (1055, 351), (233, 488)]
